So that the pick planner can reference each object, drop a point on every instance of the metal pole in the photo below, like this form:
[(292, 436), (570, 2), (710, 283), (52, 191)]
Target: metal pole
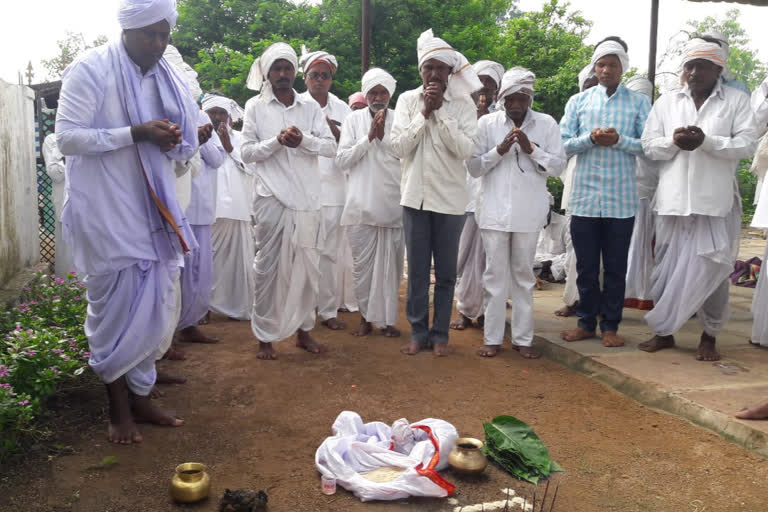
[(365, 57), (652, 43)]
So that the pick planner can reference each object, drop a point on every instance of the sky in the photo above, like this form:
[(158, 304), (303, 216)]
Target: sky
[(30, 28)]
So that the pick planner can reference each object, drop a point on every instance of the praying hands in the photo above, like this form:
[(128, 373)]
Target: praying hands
[(688, 138), (607, 137), (515, 135), (290, 137), (433, 99), (164, 134), (377, 125)]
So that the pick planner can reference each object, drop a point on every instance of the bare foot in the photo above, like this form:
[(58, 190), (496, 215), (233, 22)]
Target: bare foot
[(657, 343), (175, 354), (390, 332), (754, 413), (266, 352), (343, 309), (527, 352), (169, 378), (481, 321), (411, 349), (566, 311), (577, 334), (122, 428), (156, 393), (334, 324), (707, 350), (205, 320), (364, 329), (307, 342), (488, 351), (144, 411), (462, 323), (611, 339), (440, 349), (539, 284), (194, 335)]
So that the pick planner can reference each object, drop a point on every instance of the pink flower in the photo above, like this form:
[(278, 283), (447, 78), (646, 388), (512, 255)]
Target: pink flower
[(78, 297), (4, 371), (33, 303), (54, 369), (59, 280), (23, 402), (65, 357), (57, 351), (31, 352), (4, 385), (86, 355)]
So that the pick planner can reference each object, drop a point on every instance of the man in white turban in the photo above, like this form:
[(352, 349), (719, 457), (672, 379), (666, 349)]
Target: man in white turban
[(125, 114), (433, 134), (372, 214), (587, 80), (318, 69), (284, 135), (471, 262), (603, 126), (517, 150), (698, 135), (231, 234)]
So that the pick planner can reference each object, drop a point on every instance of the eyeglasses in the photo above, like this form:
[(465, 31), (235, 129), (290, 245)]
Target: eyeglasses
[(318, 76)]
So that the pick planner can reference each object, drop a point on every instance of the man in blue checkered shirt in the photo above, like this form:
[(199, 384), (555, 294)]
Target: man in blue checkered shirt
[(603, 126)]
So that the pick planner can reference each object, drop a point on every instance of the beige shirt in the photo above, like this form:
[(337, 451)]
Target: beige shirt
[(432, 151)]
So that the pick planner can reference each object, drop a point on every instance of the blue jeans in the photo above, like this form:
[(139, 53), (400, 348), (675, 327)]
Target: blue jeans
[(430, 235), (594, 237)]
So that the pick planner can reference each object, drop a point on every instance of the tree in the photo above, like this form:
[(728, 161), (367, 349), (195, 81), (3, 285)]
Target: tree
[(70, 47)]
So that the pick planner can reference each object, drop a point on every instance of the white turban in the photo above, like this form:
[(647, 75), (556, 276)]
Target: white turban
[(308, 58), (640, 84), (463, 79), (585, 74), (143, 13), (377, 76), (611, 47), (186, 71), (517, 80), (701, 49), (489, 68), (257, 77), (234, 110)]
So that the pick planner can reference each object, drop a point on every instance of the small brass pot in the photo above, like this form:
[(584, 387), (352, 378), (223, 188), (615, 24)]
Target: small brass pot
[(467, 457), (191, 483)]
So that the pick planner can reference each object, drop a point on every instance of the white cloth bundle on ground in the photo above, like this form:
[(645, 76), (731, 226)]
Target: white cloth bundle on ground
[(420, 449)]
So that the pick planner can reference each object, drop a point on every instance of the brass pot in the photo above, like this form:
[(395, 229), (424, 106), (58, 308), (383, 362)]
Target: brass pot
[(467, 457), (191, 483)]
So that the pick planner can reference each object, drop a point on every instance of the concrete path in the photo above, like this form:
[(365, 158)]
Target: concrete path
[(706, 393)]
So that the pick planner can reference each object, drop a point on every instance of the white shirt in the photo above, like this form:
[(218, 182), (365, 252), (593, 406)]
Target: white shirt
[(514, 197), (373, 196), (233, 183), (332, 184), (432, 151), (56, 169), (701, 181), (202, 208), (473, 192), (760, 105), (290, 174)]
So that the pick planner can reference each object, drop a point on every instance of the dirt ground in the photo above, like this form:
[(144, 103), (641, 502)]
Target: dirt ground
[(257, 425)]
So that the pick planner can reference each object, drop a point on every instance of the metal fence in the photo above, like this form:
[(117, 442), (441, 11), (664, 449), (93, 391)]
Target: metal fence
[(45, 123)]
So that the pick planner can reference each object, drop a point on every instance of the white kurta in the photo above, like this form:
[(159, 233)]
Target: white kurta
[(698, 207), (232, 237), (512, 209), (373, 216), (332, 193), (286, 213)]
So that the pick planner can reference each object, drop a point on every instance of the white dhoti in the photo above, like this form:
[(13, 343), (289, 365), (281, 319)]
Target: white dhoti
[(640, 259), (378, 256), (694, 257), (132, 314), (172, 327), (286, 270), (64, 263), (509, 273), (329, 298), (233, 252), (571, 291), (348, 298), (760, 308), (469, 270)]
